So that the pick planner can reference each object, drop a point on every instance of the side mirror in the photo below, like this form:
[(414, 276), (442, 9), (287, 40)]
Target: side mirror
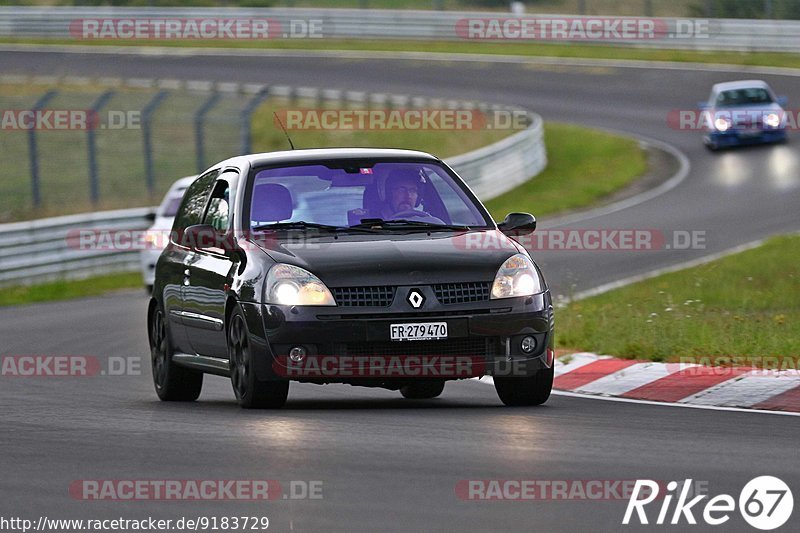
[(517, 224), (202, 236), (782, 101), (150, 217), (702, 106)]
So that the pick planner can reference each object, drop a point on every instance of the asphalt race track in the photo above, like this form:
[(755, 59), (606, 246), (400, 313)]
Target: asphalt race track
[(388, 464)]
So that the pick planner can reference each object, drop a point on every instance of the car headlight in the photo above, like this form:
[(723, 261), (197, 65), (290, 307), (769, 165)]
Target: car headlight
[(773, 120), (722, 124), (517, 277), (291, 285)]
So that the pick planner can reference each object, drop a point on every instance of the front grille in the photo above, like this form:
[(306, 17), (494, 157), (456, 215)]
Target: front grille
[(747, 122), (415, 314), (468, 346), (379, 296), (461, 293)]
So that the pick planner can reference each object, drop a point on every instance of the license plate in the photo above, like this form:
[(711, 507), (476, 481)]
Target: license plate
[(421, 331)]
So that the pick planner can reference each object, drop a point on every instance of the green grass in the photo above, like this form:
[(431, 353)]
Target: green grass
[(69, 289), (744, 305), (532, 49), (584, 166)]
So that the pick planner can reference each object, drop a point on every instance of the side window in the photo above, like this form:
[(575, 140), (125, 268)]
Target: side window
[(191, 209), (219, 206), (455, 202)]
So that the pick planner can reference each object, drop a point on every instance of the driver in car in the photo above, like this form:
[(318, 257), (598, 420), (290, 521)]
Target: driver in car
[(403, 195)]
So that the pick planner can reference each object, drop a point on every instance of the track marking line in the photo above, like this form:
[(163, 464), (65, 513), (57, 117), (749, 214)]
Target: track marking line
[(672, 404), (487, 380)]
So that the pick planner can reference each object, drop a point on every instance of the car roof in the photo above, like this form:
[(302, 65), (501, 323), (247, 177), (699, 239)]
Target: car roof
[(741, 84), (324, 154)]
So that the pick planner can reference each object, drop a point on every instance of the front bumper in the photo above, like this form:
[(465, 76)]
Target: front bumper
[(735, 137), (351, 345)]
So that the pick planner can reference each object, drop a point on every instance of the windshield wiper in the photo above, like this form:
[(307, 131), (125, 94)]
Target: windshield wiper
[(303, 225), (401, 223)]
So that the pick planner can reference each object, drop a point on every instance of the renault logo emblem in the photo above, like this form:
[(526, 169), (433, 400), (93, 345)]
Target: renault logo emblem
[(415, 298)]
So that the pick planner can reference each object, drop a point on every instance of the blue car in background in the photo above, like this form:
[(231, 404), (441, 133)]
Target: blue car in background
[(743, 112)]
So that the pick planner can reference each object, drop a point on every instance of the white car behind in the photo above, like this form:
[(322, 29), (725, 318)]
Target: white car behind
[(158, 233)]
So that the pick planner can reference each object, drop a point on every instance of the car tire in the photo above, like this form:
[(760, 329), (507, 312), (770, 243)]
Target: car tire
[(172, 382), (529, 390), (250, 392), (422, 390)]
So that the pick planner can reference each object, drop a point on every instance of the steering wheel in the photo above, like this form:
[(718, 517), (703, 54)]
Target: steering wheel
[(412, 213)]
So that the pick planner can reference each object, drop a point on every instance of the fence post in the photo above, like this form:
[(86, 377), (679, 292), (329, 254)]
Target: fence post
[(94, 185), (147, 122), (247, 119), (33, 150), (199, 126)]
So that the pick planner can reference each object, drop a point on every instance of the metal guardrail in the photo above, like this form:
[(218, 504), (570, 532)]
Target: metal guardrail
[(495, 169), (718, 34), (46, 249)]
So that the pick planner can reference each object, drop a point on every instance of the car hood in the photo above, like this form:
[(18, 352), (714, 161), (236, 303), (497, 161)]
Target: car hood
[(395, 258)]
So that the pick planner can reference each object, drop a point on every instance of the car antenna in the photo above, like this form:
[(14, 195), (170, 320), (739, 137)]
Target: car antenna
[(284, 130)]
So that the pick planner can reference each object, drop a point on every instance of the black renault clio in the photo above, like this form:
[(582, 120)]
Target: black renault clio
[(369, 267)]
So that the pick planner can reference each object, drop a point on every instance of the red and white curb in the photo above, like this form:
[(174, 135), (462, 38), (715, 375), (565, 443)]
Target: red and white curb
[(604, 377), (679, 383)]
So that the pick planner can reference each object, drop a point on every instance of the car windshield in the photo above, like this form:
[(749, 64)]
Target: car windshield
[(344, 195), (748, 96)]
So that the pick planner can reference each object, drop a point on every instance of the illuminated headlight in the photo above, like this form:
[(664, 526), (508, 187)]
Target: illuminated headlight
[(291, 285), (773, 120), (517, 277), (722, 124)]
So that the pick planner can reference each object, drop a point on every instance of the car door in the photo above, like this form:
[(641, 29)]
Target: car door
[(174, 262), (211, 269)]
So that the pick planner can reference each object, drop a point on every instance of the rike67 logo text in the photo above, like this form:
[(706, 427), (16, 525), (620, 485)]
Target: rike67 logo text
[(765, 503)]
